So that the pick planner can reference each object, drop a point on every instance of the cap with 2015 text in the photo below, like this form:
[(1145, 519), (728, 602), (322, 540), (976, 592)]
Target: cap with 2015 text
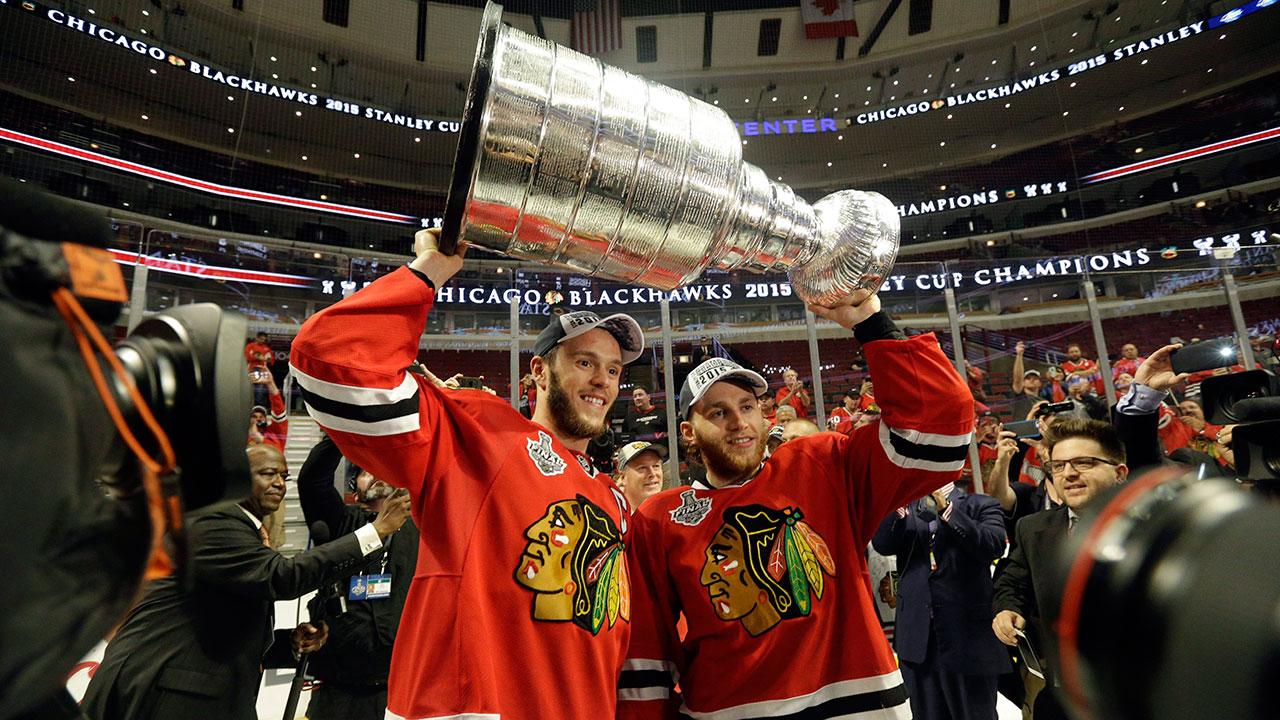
[(621, 326)]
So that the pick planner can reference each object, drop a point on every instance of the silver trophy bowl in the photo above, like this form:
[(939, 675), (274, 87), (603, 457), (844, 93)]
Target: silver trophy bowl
[(569, 162)]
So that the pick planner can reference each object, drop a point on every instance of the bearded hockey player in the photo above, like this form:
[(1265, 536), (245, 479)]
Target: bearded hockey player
[(521, 604), (766, 560)]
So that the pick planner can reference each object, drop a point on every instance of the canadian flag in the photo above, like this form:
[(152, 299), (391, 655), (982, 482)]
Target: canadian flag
[(828, 18)]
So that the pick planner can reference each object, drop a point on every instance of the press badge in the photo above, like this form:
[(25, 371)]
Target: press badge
[(379, 586), (370, 587)]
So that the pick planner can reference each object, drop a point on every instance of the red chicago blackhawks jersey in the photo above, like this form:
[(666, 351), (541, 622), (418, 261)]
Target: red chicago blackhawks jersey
[(520, 606), (772, 574)]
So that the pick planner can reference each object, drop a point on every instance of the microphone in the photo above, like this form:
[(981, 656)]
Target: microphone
[(319, 532)]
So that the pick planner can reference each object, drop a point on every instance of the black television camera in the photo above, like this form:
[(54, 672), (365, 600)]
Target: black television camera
[(78, 416), (1171, 591)]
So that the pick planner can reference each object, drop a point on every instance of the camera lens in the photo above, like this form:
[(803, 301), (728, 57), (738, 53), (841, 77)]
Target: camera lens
[(1170, 596)]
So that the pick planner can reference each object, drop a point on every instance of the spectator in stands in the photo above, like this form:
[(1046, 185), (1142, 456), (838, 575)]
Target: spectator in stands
[(1026, 386), (638, 471), (528, 395), (843, 418), (1203, 434), (793, 393), (198, 651), (259, 357), (1087, 457), (1078, 366), (867, 397), (1128, 362), (362, 610), (1087, 404), (1053, 389), (1122, 383), (784, 415), (644, 420), (977, 378), (774, 439), (988, 433), (800, 427), (768, 408), (269, 426), (1264, 352), (944, 551)]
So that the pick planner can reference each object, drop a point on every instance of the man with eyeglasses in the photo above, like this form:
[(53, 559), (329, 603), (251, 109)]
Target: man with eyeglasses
[(198, 651), (1085, 458)]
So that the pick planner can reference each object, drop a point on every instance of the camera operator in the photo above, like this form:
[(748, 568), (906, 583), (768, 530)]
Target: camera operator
[(198, 651), (1086, 457), (364, 612)]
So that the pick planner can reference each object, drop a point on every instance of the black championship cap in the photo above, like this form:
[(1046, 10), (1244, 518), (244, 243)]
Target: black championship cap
[(622, 327), (710, 372)]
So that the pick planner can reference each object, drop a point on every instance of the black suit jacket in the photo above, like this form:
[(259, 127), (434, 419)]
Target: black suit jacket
[(190, 654), (1027, 585), (954, 601), (358, 651)]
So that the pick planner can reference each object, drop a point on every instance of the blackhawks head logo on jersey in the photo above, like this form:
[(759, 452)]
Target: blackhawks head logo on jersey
[(764, 566), (575, 564)]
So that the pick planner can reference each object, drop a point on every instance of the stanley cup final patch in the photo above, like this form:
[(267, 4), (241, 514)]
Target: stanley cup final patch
[(692, 510), (542, 454)]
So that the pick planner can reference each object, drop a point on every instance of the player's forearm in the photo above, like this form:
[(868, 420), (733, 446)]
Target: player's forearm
[(375, 332)]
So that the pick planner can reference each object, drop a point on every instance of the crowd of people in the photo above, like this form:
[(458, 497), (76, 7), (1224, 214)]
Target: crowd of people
[(471, 558)]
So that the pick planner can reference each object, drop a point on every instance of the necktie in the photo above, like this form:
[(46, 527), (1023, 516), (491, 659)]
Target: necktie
[(1071, 524), (266, 539)]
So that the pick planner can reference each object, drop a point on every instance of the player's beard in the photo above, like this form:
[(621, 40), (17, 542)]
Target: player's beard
[(567, 418), (727, 465)]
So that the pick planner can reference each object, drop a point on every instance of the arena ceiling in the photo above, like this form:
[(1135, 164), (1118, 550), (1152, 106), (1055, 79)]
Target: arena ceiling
[(1044, 55)]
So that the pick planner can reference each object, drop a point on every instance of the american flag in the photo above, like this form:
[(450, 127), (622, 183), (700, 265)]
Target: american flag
[(597, 26)]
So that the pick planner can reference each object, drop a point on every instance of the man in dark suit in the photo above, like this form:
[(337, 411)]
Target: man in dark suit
[(949, 662), (195, 653), (354, 664), (1086, 457)]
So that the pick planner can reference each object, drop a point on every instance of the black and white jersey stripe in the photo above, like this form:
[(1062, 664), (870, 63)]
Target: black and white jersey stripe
[(643, 679), (875, 698), (362, 411), (925, 451)]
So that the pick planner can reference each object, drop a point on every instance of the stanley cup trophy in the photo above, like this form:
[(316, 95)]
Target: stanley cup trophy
[(566, 161)]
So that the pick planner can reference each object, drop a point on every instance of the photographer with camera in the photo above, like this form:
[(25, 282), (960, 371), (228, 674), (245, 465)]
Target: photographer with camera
[(363, 610), (259, 357), (269, 426), (197, 651)]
